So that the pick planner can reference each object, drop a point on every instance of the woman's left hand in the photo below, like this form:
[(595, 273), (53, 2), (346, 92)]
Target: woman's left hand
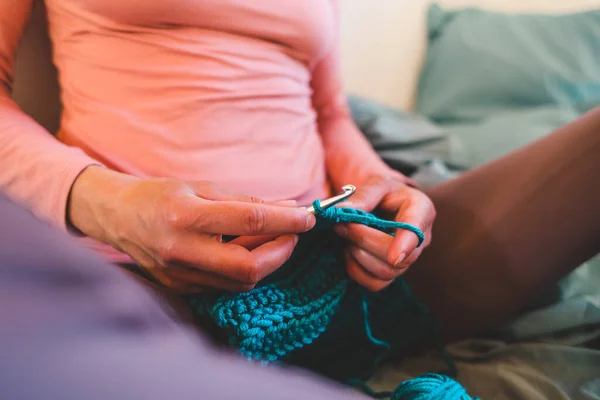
[(374, 258)]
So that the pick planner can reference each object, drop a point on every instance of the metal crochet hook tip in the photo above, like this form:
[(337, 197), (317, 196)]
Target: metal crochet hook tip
[(330, 202), (348, 191)]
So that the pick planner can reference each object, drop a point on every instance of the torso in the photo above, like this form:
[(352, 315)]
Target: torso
[(196, 89)]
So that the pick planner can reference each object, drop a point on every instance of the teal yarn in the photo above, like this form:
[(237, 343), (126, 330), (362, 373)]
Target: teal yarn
[(352, 215), (285, 313), (430, 386), (310, 314)]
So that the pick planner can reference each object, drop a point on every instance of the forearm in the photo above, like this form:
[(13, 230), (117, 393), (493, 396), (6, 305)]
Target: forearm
[(350, 158), (36, 170)]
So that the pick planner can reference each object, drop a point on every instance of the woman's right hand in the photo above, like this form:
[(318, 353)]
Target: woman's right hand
[(174, 229)]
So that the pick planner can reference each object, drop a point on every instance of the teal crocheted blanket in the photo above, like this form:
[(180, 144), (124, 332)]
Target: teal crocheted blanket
[(310, 314)]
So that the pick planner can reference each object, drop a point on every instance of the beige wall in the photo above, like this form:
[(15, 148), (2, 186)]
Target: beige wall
[(35, 87), (383, 41)]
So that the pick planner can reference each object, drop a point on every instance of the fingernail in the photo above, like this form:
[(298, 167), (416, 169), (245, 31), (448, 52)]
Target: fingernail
[(400, 259), (295, 240), (310, 221)]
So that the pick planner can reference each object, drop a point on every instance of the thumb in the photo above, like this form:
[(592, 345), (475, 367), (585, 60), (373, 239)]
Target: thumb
[(252, 242), (369, 195)]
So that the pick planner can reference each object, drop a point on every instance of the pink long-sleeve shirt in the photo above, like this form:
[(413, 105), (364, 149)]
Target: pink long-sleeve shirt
[(224, 91)]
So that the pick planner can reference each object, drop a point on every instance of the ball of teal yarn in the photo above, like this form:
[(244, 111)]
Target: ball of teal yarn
[(429, 387)]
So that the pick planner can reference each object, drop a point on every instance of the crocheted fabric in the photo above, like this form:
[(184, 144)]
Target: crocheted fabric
[(296, 305), (310, 314)]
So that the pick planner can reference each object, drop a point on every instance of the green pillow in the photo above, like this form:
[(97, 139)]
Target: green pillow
[(481, 62), (475, 143)]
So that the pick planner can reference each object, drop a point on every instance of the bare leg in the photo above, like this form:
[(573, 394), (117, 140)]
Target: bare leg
[(511, 228)]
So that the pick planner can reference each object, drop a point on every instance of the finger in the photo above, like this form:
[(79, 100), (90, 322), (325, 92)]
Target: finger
[(375, 266), (185, 279), (372, 240), (417, 211), (414, 256), (410, 260), (246, 219), (252, 242), (212, 191), (369, 195), (232, 261), (182, 278), (283, 203), (363, 277)]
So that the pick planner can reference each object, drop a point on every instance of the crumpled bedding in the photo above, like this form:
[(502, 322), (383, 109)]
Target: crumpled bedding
[(510, 371), (551, 351)]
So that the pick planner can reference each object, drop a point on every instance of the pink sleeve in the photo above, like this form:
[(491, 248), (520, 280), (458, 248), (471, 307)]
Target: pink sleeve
[(329, 99), (349, 155), (36, 170)]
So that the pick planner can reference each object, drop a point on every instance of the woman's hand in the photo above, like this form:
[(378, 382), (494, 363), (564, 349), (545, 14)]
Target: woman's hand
[(174, 229), (375, 259)]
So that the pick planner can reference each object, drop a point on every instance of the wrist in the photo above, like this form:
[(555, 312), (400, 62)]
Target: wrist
[(357, 172), (91, 204), (364, 176)]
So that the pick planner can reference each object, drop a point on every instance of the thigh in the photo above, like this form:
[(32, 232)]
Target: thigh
[(74, 327), (512, 228)]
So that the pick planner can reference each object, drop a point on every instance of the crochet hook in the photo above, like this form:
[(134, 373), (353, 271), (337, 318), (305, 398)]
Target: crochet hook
[(330, 202), (348, 190)]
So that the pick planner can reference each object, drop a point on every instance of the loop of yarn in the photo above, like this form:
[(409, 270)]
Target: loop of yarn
[(429, 387), (352, 215)]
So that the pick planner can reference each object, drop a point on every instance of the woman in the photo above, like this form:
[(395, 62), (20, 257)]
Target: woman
[(172, 109)]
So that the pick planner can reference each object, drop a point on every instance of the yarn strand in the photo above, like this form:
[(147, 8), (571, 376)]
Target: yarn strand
[(352, 215), (430, 386), (310, 301)]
